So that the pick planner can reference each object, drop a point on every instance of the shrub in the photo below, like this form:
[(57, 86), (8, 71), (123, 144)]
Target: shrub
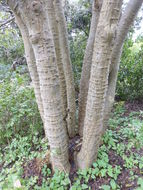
[(130, 76), (18, 108), (11, 45)]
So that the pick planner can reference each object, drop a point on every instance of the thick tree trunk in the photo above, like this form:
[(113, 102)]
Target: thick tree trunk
[(35, 17), (85, 75), (93, 123), (125, 23)]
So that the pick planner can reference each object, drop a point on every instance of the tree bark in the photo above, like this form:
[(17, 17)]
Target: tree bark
[(85, 75), (63, 37), (93, 123), (35, 17), (55, 32), (124, 25), (30, 57)]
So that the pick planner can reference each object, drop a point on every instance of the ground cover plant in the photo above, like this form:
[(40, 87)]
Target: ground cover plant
[(24, 164)]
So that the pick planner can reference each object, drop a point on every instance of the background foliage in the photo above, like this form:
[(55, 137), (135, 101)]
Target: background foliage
[(130, 76), (18, 109)]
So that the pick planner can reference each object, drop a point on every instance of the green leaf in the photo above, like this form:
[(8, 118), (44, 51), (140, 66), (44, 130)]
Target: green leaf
[(84, 186), (73, 188), (140, 182), (103, 172), (95, 165), (93, 176), (105, 187), (140, 165), (110, 173), (113, 184)]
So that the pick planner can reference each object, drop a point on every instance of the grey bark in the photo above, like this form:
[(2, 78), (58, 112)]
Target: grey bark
[(85, 75), (55, 32), (35, 18), (63, 37), (93, 124)]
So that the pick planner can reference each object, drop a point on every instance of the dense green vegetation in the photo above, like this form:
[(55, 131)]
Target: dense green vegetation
[(18, 109), (130, 77), (119, 164)]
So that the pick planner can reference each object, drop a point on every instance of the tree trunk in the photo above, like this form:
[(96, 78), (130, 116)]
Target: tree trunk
[(35, 17), (85, 75), (63, 37), (93, 123), (125, 23), (55, 32)]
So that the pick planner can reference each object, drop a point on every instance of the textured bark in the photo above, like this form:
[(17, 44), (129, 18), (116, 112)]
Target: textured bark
[(93, 123), (55, 32), (30, 57), (63, 36), (35, 17), (124, 25), (85, 75)]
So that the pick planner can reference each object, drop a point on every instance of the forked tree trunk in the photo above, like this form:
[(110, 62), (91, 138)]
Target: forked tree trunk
[(44, 33)]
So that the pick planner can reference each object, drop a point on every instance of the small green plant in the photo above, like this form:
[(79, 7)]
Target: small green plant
[(46, 171), (140, 183), (105, 187)]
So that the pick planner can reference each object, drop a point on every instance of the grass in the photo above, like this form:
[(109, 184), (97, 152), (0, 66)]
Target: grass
[(119, 164)]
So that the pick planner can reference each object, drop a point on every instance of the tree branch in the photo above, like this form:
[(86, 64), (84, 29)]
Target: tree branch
[(7, 22), (125, 23)]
